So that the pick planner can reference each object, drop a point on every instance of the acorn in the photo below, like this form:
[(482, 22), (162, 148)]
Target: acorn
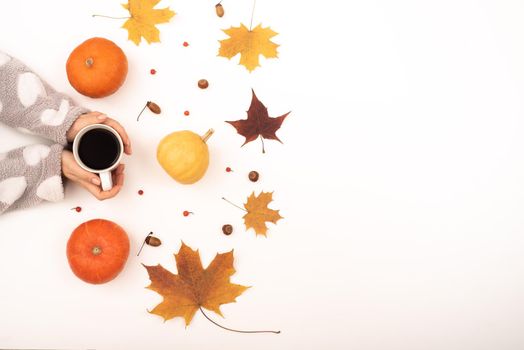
[(203, 83), (227, 229), (150, 240), (253, 176), (153, 241), (219, 9), (153, 107)]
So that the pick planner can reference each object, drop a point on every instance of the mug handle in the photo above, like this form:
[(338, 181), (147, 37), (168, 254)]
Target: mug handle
[(106, 180)]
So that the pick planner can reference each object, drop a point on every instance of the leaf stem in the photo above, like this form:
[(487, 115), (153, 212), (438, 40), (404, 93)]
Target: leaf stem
[(233, 204), (252, 14), (233, 330), (110, 17), (263, 148)]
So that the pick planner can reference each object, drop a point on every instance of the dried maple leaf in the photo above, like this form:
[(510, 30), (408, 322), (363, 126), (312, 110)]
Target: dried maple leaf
[(194, 287), (249, 44), (258, 213), (258, 123), (143, 19)]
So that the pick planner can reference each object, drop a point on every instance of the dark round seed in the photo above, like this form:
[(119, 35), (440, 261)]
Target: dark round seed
[(203, 83), (253, 176), (227, 229), (153, 107)]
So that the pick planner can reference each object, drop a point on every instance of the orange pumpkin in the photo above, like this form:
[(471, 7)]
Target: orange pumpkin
[(97, 67), (97, 251)]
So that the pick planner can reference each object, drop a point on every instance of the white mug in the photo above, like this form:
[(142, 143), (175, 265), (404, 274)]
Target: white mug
[(105, 174)]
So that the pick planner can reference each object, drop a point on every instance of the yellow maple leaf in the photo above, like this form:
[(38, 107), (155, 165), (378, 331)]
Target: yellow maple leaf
[(193, 287), (143, 19), (249, 44), (258, 213)]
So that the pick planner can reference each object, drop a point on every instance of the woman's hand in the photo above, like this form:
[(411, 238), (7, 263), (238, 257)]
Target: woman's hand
[(90, 181), (99, 118)]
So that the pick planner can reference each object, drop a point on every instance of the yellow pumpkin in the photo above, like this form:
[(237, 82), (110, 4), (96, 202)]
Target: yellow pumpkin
[(184, 155)]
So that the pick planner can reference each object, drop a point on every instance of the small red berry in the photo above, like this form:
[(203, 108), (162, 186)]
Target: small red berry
[(140, 192), (186, 113), (228, 169), (186, 213), (186, 44), (153, 71), (78, 209)]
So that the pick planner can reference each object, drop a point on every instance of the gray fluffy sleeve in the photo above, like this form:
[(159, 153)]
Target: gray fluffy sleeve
[(32, 174), (31, 105)]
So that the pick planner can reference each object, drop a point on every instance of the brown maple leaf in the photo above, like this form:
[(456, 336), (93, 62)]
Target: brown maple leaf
[(258, 123), (258, 212), (194, 287)]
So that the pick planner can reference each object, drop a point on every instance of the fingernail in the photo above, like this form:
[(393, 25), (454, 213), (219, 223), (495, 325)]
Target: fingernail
[(95, 180), (101, 117)]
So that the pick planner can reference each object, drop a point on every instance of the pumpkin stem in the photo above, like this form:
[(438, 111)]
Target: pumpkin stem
[(207, 135), (89, 62), (96, 250), (233, 330)]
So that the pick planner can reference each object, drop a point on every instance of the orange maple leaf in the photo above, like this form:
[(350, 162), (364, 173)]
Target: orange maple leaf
[(250, 44), (258, 212), (194, 287)]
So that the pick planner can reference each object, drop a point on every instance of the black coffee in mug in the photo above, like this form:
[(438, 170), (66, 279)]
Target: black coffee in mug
[(99, 149)]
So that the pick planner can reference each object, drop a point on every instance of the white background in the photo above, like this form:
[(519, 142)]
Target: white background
[(401, 178)]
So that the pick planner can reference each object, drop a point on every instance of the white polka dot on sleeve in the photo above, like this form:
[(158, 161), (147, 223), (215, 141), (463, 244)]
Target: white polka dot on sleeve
[(51, 189), (35, 153), (54, 117), (29, 88), (12, 188)]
